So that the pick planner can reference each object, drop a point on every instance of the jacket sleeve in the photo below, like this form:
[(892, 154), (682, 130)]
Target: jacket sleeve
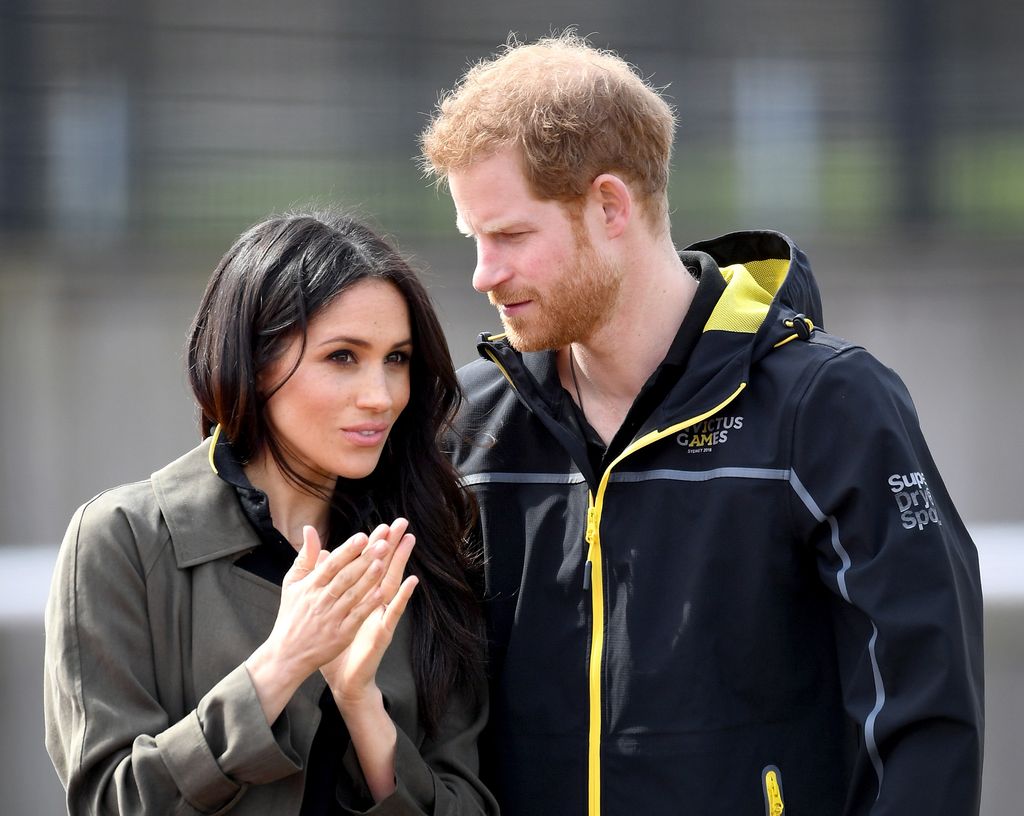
[(438, 778), (114, 744), (906, 595)]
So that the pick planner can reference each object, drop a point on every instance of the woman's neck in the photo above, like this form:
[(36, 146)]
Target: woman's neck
[(291, 507)]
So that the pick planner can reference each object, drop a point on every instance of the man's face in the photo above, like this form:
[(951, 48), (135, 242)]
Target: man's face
[(535, 261)]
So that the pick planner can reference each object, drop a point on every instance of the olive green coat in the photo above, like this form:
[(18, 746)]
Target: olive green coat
[(148, 708)]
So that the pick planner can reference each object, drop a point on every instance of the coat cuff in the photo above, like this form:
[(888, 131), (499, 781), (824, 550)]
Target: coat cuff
[(226, 744), (414, 784)]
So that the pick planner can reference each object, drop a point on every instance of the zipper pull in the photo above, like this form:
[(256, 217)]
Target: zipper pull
[(587, 569)]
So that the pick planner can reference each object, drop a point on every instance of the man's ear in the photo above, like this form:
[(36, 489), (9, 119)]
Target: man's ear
[(616, 201)]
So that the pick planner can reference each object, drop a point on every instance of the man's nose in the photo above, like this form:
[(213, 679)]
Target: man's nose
[(491, 268)]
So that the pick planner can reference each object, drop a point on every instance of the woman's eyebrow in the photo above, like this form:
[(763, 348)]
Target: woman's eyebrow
[(359, 341)]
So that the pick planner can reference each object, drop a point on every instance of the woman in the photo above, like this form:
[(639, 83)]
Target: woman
[(204, 652)]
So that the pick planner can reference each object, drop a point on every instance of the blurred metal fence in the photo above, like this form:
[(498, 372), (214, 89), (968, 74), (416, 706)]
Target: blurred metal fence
[(178, 120)]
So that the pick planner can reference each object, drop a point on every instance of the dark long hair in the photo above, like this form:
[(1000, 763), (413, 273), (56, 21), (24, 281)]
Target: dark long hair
[(277, 277)]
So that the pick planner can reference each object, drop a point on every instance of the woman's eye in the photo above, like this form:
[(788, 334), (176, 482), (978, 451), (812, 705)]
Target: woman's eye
[(399, 357), (342, 356)]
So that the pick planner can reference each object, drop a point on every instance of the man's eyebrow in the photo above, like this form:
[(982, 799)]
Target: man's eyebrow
[(493, 229)]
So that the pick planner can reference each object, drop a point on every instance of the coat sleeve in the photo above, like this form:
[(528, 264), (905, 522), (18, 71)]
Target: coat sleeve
[(440, 777), (114, 744), (906, 594)]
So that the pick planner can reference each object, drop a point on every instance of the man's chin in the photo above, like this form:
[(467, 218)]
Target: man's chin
[(525, 341)]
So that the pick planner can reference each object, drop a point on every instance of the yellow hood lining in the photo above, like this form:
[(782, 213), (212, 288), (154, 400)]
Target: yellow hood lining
[(748, 294)]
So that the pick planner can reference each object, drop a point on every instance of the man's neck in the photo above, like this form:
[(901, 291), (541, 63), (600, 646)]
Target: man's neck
[(606, 371)]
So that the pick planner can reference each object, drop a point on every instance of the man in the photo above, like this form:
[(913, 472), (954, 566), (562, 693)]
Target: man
[(723, 575)]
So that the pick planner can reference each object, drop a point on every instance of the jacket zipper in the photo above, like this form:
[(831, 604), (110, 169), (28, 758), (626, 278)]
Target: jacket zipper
[(593, 580)]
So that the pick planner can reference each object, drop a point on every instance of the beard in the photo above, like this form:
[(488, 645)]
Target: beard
[(570, 311)]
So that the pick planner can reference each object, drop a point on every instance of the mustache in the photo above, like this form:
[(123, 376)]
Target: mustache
[(503, 297)]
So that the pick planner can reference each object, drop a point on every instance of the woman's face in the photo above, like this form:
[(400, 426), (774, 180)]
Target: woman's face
[(335, 412)]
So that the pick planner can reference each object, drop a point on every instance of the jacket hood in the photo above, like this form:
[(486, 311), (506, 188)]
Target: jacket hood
[(762, 268)]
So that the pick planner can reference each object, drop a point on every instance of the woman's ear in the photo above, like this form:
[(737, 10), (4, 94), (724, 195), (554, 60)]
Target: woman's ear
[(616, 202)]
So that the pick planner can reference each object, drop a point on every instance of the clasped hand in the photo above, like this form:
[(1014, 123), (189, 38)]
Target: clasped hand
[(339, 609)]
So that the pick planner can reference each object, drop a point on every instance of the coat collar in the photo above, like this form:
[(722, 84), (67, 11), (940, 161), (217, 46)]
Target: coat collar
[(202, 512)]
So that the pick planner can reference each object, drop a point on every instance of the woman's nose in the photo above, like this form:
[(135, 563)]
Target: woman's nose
[(375, 391)]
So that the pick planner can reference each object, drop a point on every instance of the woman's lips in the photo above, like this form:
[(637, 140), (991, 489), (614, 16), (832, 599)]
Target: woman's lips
[(367, 435)]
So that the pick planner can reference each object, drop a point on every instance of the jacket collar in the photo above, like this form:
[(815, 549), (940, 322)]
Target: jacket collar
[(769, 283), (202, 512)]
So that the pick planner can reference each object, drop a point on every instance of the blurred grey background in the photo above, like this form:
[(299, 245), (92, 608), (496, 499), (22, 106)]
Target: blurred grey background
[(139, 137)]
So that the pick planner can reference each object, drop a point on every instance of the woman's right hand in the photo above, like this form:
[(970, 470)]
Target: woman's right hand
[(325, 597)]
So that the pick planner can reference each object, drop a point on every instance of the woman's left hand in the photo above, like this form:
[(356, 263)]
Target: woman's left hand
[(352, 674)]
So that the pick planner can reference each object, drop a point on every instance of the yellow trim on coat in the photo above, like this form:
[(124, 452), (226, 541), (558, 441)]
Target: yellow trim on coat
[(213, 446), (501, 368)]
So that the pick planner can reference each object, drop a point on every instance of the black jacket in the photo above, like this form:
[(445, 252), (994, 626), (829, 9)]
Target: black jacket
[(767, 599)]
